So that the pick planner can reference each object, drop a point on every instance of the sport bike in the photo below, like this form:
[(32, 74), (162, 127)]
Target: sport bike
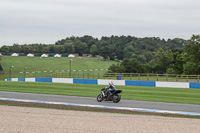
[(104, 96)]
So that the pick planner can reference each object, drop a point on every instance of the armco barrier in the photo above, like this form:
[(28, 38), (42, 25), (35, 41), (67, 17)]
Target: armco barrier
[(194, 85), (115, 82), (21, 79), (62, 80), (85, 81), (140, 83), (172, 84), (105, 82), (43, 79), (30, 79)]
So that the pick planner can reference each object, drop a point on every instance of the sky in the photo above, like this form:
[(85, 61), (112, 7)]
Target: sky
[(47, 21)]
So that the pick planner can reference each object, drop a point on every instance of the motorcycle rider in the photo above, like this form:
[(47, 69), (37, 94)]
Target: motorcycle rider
[(110, 92)]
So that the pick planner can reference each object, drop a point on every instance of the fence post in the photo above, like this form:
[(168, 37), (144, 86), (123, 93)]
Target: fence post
[(139, 76), (176, 77), (147, 76), (166, 77), (157, 77), (187, 78)]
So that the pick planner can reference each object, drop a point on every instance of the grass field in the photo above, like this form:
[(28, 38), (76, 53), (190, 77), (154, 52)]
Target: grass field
[(174, 95), (80, 68), (50, 64)]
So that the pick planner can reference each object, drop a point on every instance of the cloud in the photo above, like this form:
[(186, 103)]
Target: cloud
[(46, 21)]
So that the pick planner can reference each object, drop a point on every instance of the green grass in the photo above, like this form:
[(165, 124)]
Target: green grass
[(174, 95), (50, 64)]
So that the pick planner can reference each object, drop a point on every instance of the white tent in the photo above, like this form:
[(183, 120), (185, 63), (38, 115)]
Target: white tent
[(1, 54), (57, 55), (71, 55), (30, 55), (15, 54), (44, 56)]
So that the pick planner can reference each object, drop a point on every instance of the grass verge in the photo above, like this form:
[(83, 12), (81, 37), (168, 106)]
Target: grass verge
[(173, 95)]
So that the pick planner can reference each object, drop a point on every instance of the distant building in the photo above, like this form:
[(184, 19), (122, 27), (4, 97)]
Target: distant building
[(71, 55), (44, 56), (57, 55), (30, 55), (15, 54)]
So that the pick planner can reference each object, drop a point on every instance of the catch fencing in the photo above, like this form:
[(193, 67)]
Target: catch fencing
[(91, 74)]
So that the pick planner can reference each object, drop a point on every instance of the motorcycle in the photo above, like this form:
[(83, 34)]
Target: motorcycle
[(104, 96)]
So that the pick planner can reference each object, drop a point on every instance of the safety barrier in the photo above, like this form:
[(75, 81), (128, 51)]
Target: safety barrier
[(105, 82)]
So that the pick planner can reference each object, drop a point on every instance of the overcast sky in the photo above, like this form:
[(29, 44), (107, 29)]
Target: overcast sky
[(47, 21)]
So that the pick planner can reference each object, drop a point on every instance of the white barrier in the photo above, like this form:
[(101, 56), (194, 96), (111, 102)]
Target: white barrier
[(62, 80), (30, 79), (106, 81), (173, 84), (14, 79)]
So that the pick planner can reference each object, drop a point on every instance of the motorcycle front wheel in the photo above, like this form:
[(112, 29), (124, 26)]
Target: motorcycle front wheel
[(99, 98)]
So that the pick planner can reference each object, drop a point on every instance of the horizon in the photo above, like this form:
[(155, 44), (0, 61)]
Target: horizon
[(93, 37)]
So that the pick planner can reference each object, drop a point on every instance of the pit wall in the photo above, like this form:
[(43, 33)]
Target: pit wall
[(106, 81)]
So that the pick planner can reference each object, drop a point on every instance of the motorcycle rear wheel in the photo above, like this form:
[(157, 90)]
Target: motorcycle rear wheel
[(99, 98), (116, 98)]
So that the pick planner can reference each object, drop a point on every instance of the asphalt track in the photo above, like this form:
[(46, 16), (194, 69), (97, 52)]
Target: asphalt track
[(92, 101)]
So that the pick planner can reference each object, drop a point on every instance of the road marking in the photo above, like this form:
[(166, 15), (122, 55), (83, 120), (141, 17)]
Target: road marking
[(105, 107)]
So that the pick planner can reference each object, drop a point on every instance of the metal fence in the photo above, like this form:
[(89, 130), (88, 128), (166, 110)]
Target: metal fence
[(118, 76)]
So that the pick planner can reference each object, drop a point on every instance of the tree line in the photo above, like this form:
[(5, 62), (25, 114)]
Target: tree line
[(138, 55), (175, 60)]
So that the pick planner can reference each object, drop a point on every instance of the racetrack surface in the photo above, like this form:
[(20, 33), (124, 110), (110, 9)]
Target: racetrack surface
[(92, 101)]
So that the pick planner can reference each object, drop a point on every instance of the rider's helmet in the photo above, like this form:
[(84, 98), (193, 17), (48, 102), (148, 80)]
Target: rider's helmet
[(111, 83)]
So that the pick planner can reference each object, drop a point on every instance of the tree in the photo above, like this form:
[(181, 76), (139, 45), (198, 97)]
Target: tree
[(81, 48), (128, 65), (26, 49), (5, 49), (128, 51), (116, 68), (59, 49), (93, 50), (104, 52), (161, 61), (51, 49), (192, 50), (15, 48), (69, 47)]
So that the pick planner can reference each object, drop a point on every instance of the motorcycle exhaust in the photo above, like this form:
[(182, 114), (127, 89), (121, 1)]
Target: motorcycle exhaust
[(103, 93)]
